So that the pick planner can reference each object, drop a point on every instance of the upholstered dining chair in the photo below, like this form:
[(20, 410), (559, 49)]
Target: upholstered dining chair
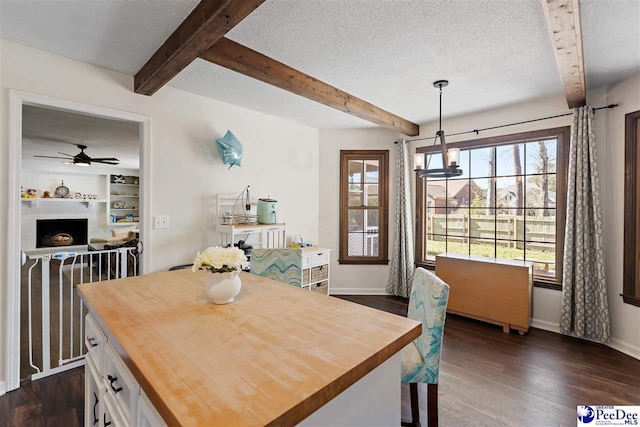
[(421, 359), (284, 265)]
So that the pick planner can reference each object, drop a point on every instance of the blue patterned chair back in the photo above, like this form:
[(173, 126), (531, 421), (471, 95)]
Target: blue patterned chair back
[(428, 304), (284, 265)]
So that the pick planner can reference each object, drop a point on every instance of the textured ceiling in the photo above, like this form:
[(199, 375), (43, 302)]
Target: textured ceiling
[(610, 40), (47, 132), (388, 52)]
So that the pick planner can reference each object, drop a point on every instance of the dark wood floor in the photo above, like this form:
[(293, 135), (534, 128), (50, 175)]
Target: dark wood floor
[(56, 401), (487, 378)]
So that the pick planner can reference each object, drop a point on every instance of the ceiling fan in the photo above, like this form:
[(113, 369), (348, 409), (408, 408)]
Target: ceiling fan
[(82, 159)]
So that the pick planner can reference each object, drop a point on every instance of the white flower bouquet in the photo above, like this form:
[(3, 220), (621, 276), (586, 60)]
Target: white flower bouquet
[(220, 260)]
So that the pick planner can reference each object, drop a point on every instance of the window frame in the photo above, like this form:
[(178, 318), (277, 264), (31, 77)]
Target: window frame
[(562, 134), (631, 265), (383, 206)]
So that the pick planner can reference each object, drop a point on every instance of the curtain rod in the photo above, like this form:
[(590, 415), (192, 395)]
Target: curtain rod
[(477, 131)]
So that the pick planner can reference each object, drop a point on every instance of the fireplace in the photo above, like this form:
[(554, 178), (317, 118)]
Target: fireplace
[(61, 232)]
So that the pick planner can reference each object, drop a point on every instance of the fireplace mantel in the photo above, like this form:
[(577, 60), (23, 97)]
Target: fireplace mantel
[(86, 202)]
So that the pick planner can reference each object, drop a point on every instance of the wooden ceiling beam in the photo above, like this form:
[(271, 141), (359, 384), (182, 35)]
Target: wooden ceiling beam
[(209, 21), (241, 59), (563, 22)]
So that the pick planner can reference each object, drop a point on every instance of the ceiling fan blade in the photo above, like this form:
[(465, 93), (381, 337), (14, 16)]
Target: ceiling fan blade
[(66, 154), (104, 162), (54, 157), (99, 159)]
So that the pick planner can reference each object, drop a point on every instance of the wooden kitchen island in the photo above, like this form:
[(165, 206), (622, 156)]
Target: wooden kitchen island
[(278, 355)]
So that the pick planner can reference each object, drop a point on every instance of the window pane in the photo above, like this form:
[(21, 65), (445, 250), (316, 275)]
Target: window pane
[(543, 256), (482, 162), (483, 225), (457, 223), (541, 156), (540, 228), (464, 163), (510, 160), (371, 193), (355, 170), (372, 220), (480, 195), (458, 245), (372, 168), (541, 188), (510, 192), (356, 244), (371, 233), (436, 195), (435, 245), (458, 192), (482, 247), (355, 195), (509, 249), (510, 225), (356, 220), (437, 223)]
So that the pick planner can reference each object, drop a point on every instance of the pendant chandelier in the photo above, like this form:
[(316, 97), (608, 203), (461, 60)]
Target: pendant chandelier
[(450, 157)]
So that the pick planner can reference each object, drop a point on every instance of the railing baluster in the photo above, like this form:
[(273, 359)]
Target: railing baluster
[(46, 323), (60, 310), (31, 319)]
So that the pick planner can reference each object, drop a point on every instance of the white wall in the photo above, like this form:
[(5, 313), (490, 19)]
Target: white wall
[(351, 279), (546, 302), (625, 318), (280, 157)]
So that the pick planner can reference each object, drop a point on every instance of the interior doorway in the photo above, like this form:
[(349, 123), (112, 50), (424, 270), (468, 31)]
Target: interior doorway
[(88, 149)]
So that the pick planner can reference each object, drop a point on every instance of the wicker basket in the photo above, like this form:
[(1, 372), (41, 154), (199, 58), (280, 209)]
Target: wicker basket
[(320, 272), (321, 288), (61, 239), (305, 276)]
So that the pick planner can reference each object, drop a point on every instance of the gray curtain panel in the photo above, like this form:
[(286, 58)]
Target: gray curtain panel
[(402, 268), (585, 308)]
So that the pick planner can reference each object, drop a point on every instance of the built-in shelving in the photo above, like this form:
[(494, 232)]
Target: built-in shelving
[(126, 193)]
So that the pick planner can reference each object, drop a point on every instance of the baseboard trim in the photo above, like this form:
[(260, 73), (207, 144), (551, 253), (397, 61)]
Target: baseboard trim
[(545, 326), (3, 388), (615, 344), (625, 348), (358, 291)]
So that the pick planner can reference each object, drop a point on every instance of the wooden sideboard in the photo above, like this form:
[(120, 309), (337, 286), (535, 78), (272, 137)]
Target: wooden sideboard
[(490, 289)]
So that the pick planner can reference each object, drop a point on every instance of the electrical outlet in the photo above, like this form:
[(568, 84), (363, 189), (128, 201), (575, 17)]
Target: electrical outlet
[(161, 221)]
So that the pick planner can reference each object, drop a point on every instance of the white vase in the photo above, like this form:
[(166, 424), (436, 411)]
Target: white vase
[(221, 288)]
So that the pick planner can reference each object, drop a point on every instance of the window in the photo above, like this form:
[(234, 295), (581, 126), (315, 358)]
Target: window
[(364, 206), (631, 275), (509, 202)]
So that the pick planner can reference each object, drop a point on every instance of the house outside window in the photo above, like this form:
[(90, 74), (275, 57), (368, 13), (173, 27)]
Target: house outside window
[(364, 206), (509, 202)]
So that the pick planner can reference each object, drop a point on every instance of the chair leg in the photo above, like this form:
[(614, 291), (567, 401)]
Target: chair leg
[(432, 405), (415, 405)]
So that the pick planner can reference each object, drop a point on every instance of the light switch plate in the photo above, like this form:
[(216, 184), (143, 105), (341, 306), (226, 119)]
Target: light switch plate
[(161, 221)]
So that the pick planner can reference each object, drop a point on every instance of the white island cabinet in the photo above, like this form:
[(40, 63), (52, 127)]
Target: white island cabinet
[(277, 355)]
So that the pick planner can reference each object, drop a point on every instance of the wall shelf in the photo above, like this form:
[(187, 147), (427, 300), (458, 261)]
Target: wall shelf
[(116, 215), (86, 202)]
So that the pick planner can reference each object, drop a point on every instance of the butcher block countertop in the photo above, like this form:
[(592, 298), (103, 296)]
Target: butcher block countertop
[(273, 356)]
